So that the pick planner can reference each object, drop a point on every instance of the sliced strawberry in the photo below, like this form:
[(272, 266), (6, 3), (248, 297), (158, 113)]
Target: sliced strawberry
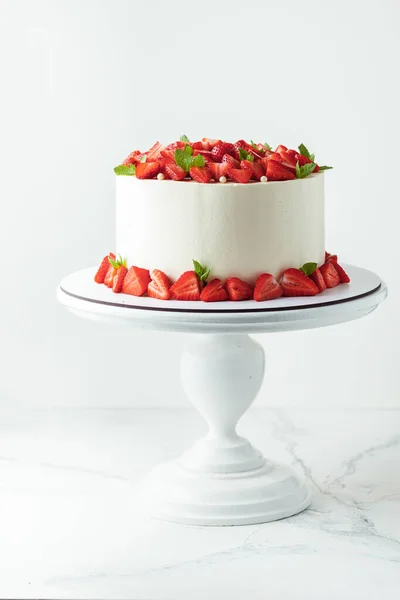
[(175, 145), (281, 149), (109, 278), (197, 145), (209, 143), (155, 152), (245, 146), (219, 169), (330, 257), (303, 160), (174, 171), (227, 158), (136, 281), (147, 170), (237, 289), (159, 285), (168, 155), (256, 168), (214, 292), (239, 175), (288, 159), (119, 279), (318, 280), (201, 174), (220, 149), (296, 283), (261, 149), (344, 278), (133, 158), (278, 172), (187, 287), (267, 288), (103, 268), (330, 275), (206, 154)]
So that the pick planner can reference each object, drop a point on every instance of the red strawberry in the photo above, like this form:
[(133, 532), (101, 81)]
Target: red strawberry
[(168, 155), (267, 288), (256, 168), (159, 285), (214, 292), (109, 278), (175, 145), (278, 172), (103, 268), (147, 170), (274, 156), (303, 160), (318, 280), (289, 159), (296, 283), (330, 257), (218, 169), (187, 287), (245, 146), (206, 154), (237, 289), (136, 281), (330, 275), (133, 158), (344, 278), (220, 149), (227, 158), (281, 148), (197, 145), (119, 279), (240, 175), (209, 143), (155, 152), (201, 174), (174, 171)]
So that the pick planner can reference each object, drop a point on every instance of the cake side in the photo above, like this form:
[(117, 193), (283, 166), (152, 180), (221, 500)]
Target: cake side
[(234, 229)]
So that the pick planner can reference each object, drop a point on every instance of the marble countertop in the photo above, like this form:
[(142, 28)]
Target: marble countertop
[(68, 529)]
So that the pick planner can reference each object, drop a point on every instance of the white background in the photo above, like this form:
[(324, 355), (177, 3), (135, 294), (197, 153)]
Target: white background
[(85, 82)]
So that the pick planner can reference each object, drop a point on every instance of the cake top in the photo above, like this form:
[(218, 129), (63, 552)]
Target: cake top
[(211, 160)]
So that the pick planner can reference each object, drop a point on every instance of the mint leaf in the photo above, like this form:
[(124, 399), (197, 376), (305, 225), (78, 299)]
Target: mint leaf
[(298, 172), (125, 170), (268, 147), (121, 262), (309, 268), (253, 145), (305, 170), (244, 155), (185, 139), (143, 159), (183, 158), (304, 152), (325, 168), (198, 161), (201, 272)]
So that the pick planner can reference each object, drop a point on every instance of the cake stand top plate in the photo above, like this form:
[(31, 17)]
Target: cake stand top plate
[(79, 293)]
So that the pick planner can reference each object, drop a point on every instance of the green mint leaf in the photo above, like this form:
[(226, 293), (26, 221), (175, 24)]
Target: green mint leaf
[(143, 159), (304, 152), (325, 168), (198, 161), (113, 262), (253, 145), (184, 138), (312, 157), (244, 155), (309, 268), (305, 170), (268, 147), (298, 172), (205, 275), (125, 170), (201, 272), (183, 158)]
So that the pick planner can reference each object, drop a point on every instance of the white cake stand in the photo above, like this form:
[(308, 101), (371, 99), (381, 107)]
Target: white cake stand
[(223, 479)]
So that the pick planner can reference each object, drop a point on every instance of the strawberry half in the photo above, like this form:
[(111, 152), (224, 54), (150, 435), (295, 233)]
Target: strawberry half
[(220, 149), (133, 158), (237, 289), (136, 281), (330, 257), (256, 168), (209, 143), (227, 158), (296, 283), (240, 175), (159, 285), (119, 279), (201, 174), (330, 275), (280, 149), (103, 268), (187, 287), (109, 278), (245, 146), (318, 280), (344, 278), (155, 152), (278, 172), (214, 292), (219, 169), (174, 171), (147, 170), (267, 288)]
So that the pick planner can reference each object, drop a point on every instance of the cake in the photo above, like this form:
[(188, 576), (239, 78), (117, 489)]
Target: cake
[(217, 221)]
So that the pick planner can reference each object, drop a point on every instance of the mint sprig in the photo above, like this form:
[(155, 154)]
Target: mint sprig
[(309, 268), (244, 155), (185, 159), (201, 272), (304, 152), (184, 138), (121, 262), (305, 170), (268, 147), (125, 170), (325, 168)]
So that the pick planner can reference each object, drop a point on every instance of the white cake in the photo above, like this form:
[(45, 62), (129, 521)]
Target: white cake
[(235, 229)]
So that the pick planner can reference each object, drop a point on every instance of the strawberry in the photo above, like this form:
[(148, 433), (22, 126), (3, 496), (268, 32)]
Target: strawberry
[(201, 174), (267, 288), (155, 152), (302, 160), (187, 287), (175, 145), (289, 159), (103, 268), (256, 168), (245, 146), (214, 292), (147, 170), (330, 275), (136, 281), (278, 172), (218, 169), (159, 285), (330, 257), (209, 143), (273, 156), (318, 280), (227, 158), (119, 279), (134, 157), (109, 278), (296, 283), (344, 278), (220, 149), (197, 145), (281, 149), (174, 171), (206, 154), (239, 175), (237, 289), (168, 155)]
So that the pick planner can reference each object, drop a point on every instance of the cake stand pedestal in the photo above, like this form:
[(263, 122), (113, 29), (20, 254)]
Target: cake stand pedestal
[(223, 479)]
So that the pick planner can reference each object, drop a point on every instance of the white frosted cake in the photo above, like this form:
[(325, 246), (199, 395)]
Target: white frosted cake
[(215, 221)]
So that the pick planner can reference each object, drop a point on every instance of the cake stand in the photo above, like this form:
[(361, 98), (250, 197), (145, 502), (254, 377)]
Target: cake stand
[(223, 479)]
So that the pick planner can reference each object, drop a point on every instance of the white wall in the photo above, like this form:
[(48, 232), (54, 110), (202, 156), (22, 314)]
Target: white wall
[(85, 82)]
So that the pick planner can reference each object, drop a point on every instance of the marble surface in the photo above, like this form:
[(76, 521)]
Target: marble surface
[(68, 528)]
